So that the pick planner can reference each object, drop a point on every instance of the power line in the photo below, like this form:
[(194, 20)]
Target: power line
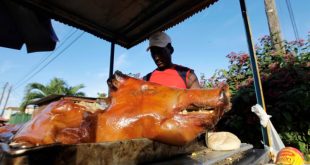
[(14, 93), (72, 42), (290, 10), (43, 60)]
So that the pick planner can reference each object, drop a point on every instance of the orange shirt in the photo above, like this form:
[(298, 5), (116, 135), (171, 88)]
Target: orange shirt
[(168, 77)]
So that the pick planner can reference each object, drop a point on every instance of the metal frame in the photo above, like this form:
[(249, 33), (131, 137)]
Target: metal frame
[(253, 60)]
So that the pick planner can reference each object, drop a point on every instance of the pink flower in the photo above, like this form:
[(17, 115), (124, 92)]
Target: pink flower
[(244, 57), (249, 81), (289, 57), (256, 47), (273, 53), (273, 66), (231, 54), (238, 86)]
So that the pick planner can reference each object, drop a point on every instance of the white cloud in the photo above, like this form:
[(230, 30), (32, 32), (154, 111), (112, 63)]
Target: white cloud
[(231, 21), (6, 66), (92, 91), (102, 75), (121, 61), (97, 75)]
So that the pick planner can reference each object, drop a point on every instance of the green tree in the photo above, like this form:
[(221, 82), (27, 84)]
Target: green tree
[(102, 95), (55, 86)]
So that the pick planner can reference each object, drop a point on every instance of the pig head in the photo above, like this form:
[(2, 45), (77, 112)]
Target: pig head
[(62, 121), (136, 109)]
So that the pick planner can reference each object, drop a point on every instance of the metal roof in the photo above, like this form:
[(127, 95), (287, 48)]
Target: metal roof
[(54, 97), (124, 22)]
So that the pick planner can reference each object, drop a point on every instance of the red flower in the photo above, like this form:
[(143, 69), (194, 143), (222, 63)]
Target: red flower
[(273, 66)]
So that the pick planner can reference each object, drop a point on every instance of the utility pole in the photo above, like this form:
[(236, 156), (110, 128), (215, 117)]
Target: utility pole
[(274, 26), (6, 101), (4, 88)]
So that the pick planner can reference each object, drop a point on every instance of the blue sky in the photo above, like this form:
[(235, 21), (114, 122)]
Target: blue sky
[(201, 43)]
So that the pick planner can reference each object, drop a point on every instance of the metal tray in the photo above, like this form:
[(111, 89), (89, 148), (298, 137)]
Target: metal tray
[(135, 151)]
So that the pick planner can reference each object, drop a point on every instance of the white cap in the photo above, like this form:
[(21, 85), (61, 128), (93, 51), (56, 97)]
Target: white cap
[(159, 39)]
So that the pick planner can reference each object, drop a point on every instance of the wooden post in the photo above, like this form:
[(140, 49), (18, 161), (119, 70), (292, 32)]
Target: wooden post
[(274, 26), (6, 101), (4, 88)]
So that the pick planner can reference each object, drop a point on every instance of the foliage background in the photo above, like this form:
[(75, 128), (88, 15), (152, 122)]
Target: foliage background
[(286, 87)]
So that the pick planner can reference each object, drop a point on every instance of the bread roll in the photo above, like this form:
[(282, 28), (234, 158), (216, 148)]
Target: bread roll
[(222, 141)]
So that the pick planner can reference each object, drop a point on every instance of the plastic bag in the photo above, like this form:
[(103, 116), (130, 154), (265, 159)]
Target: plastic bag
[(275, 142)]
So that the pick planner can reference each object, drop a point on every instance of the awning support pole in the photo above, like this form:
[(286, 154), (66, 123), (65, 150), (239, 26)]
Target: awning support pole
[(253, 60), (112, 59)]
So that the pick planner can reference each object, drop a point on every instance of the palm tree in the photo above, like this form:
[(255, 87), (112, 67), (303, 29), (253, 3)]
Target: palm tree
[(102, 95), (55, 86)]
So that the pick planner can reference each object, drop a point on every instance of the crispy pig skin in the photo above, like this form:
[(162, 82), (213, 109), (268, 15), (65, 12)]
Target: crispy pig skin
[(137, 109), (49, 126)]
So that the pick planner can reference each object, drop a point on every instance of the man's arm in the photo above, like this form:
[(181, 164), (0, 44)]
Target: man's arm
[(192, 81)]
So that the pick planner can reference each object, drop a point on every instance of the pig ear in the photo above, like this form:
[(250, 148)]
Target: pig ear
[(119, 76), (116, 79)]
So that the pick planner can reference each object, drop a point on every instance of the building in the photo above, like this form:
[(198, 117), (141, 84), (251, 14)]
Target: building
[(92, 103), (9, 111)]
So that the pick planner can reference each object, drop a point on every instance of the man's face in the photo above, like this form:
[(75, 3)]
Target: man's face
[(161, 57)]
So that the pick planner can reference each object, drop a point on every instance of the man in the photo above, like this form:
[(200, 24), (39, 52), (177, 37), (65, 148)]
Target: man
[(167, 73)]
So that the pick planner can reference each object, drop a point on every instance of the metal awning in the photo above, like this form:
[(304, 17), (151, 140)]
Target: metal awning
[(125, 22), (21, 25)]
